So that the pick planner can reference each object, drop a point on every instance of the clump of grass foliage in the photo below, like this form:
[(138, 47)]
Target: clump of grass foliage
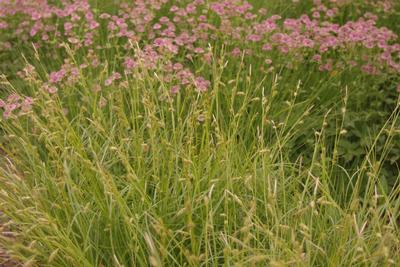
[(264, 169)]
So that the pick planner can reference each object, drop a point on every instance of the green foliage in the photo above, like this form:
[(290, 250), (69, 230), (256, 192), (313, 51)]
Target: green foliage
[(293, 167)]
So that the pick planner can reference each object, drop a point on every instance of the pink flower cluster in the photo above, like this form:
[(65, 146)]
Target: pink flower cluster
[(67, 75), (76, 17), (14, 103), (322, 38), (115, 76), (171, 43)]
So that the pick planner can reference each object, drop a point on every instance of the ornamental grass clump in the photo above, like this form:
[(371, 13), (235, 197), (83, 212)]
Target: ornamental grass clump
[(200, 133)]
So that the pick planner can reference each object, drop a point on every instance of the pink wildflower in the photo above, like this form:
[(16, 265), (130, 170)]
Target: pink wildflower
[(52, 89), (236, 52), (108, 81), (175, 89), (201, 84)]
